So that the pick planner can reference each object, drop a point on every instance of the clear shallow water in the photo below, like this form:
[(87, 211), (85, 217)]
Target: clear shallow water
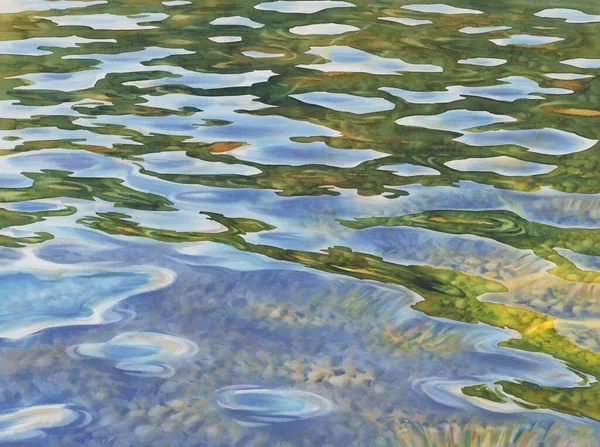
[(299, 223)]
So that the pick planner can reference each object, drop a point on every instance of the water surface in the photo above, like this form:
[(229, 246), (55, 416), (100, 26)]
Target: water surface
[(299, 223)]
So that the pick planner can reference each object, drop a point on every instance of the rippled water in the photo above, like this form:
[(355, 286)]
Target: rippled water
[(299, 223)]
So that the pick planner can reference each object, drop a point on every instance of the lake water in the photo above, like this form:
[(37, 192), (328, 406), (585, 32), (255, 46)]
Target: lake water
[(298, 223)]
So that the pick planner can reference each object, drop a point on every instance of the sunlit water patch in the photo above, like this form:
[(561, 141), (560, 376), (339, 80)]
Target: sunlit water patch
[(47, 297), (501, 165), (526, 40), (409, 170), (345, 103), (15, 181), (11, 109), (483, 29), (225, 39), (447, 96), (108, 64), (79, 136), (82, 162), (212, 254), (180, 163), (32, 46), (440, 8), (351, 60), (406, 21), (261, 54), (569, 15), (582, 62), (567, 76), (301, 6), (253, 129), (483, 61), (108, 21), (581, 261), (298, 154), (454, 120), (541, 141), (237, 21), (206, 81), (43, 5), (514, 88), (176, 3), (327, 29)]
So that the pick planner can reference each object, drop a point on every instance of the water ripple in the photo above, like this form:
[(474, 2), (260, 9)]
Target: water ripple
[(138, 353), (253, 406), (30, 424)]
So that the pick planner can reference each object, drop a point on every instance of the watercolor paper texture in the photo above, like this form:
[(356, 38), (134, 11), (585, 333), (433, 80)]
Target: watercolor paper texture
[(300, 223)]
